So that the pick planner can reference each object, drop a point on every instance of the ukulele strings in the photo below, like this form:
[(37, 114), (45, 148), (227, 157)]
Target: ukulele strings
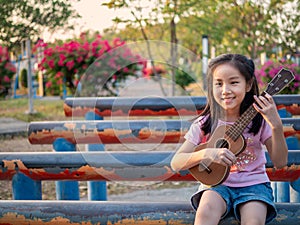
[(235, 131)]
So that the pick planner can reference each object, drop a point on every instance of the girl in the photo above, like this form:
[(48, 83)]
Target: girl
[(232, 88)]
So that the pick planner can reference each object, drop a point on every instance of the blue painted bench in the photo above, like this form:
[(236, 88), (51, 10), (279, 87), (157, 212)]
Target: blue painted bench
[(102, 166)]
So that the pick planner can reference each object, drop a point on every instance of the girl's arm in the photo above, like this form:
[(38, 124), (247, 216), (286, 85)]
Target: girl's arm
[(276, 145), (186, 156)]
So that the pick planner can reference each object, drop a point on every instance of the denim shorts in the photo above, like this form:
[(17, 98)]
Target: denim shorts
[(234, 196)]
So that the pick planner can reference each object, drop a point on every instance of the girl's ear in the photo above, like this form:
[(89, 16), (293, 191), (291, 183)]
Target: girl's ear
[(249, 85)]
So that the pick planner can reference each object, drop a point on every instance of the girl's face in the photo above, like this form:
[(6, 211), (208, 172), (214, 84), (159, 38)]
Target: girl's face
[(229, 89)]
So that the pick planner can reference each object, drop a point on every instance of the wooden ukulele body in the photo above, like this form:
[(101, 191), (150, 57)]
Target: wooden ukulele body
[(211, 173)]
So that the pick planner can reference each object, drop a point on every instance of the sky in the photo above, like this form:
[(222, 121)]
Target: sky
[(94, 17)]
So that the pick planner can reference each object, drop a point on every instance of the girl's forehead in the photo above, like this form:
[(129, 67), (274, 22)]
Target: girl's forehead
[(226, 71)]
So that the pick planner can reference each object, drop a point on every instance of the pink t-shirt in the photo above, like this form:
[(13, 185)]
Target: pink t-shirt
[(250, 166)]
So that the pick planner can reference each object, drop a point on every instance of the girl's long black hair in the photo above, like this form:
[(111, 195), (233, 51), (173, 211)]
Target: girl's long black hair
[(212, 109)]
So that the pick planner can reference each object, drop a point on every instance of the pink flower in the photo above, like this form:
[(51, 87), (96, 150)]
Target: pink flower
[(48, 52), (59, 82), (48, 84), (117, 42), (6, 79), (79, 59), (76, 83), (70, 64), (62, 59), (51, 64), (9, 66), (58, 75)]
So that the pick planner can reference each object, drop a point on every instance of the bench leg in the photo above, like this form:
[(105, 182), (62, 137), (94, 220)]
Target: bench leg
[(24, 188), (97, 190), (66, 190)]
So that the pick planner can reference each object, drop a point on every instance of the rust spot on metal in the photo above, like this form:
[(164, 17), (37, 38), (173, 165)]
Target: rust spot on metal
[(88, 172), (293, 109), (288, 173), (290, 131), (17, 219), (109, 135)]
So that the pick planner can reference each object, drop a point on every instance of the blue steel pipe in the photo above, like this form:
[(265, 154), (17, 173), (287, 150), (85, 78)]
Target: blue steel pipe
[(182, 105), (118, 131), (117, 166), (113, 159), (95, 213)]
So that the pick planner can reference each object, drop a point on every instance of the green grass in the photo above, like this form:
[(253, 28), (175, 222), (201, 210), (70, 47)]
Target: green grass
[(45, 109)]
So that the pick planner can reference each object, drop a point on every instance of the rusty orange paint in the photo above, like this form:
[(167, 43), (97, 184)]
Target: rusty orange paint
[(85, 173), (289, 131), (81, 111), (16, 219), (294, 109), (110, 135), (288, 173), (106, 136)]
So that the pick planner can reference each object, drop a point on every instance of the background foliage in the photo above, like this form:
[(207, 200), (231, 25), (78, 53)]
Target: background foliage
[(247, 27), (66, 63), (7, 70), (269, 69)]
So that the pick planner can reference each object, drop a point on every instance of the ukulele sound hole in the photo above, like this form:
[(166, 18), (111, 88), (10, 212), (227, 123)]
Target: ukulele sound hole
[(222, 143)]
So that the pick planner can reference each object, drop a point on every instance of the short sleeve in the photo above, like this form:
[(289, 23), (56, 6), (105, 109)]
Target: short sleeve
[(266, 132), (195, 134)]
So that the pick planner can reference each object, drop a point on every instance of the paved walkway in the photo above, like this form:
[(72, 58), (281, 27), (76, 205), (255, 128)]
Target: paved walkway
[(12, 127), (167, 194)]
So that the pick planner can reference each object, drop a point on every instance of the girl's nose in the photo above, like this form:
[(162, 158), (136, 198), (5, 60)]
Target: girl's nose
[(226, 89)]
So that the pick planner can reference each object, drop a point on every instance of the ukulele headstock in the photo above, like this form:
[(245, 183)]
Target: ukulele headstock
[(280, 81)]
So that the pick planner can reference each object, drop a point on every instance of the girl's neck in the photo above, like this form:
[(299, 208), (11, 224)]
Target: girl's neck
[(229, 117)]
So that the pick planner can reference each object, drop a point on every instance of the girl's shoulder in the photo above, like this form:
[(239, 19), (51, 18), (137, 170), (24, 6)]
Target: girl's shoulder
[(200, 120)]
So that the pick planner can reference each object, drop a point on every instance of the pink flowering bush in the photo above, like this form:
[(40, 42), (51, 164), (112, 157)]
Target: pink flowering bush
[(149, 71), (7, 71), (68, 62), (268, 70)]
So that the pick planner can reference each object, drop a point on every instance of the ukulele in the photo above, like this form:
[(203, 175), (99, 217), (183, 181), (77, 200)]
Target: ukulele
[(230, 136)]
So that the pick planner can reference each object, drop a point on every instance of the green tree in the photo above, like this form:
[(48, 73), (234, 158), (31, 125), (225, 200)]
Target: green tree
[(156, 20), (21, 19), (248, 27)]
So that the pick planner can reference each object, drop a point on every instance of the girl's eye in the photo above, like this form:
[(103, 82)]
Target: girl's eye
[(234, 82), (218, 84)]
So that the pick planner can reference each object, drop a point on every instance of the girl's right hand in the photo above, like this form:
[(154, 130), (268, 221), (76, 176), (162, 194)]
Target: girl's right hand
[(222, 156)]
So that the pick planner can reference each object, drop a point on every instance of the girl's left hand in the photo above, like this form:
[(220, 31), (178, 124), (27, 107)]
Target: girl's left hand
[(266, 106)]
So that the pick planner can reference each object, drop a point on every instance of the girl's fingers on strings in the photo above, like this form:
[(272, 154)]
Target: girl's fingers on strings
[(227, 158), (258, 104), (269, 97), (261, 101)]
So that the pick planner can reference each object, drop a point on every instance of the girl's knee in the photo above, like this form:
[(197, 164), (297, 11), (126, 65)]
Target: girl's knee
[(209, 213)]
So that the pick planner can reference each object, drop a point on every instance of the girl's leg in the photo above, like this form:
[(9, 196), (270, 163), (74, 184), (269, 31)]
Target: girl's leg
[(253, 212), (211, 207)]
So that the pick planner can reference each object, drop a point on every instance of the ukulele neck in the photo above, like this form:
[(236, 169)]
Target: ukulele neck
[(239, 126)]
